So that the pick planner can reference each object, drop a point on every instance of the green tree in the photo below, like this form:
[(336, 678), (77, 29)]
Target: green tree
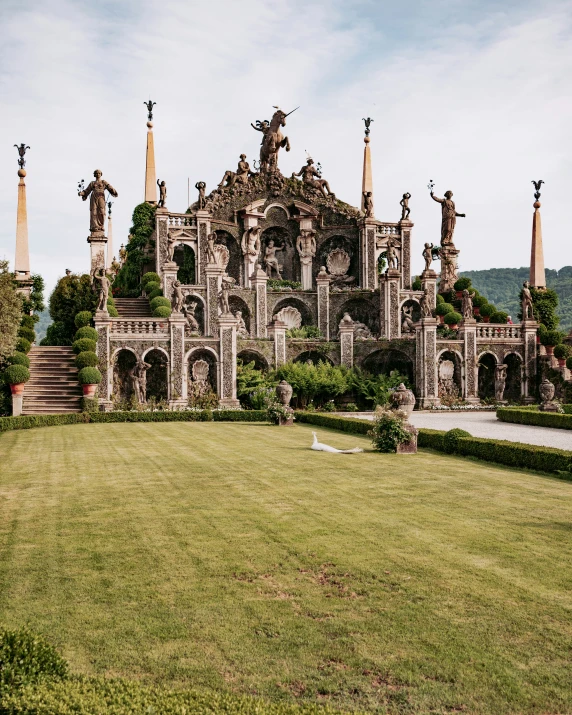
[(129, 277), (71, 294), (10, 311)]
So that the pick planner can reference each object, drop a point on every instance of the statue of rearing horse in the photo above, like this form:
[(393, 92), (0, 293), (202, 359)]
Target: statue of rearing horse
[(273, 139)]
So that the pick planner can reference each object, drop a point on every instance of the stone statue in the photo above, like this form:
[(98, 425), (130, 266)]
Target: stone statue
[(122, 254), (171, 242), (467, 304), (223, 304), (139, 380), (425, 305), (428, 255), (189, 312), (391, 255), (101, 276), (177, 298), (500, 381), (240, 176), (405, 210), (150, 106), (251, 241), (368, 204), (241, 329), (162, 194), (211, 255), (306, 243), (97, 204), (449, 217), (271, 260), (272, 139), (308, 173), (361, 331), (407, 319), (21, 153), (201, 186), (527, 304)]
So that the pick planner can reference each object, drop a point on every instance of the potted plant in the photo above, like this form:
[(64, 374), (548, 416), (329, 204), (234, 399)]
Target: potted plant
[(478, 302), (442, 309), (89, 378), (561, 353), (452, 320), (486, 311), (460, 285), (569, 362), (549, 339), (17, 376)]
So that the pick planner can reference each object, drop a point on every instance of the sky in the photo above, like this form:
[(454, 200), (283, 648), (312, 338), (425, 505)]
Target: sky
[(473, 95)]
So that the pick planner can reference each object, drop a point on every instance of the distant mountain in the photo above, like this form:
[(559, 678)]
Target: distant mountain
[(502, 285)]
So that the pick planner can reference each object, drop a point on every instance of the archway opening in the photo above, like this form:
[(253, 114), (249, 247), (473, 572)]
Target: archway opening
[(202, 379), (410, 313), (345, 244), (450, 377), (234, 267), (238, 305), (285, 254), (194, 311), (384, 362), (360, 311), (122, 383), (248, 356), (487, 365), (313, 357), (513, 386), (184, 257), (297, 304), (157, 376)]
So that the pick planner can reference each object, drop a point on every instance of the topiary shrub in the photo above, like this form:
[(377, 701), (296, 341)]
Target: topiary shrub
[(452, 318), (551, 338), (89, 376), (151, 286), (479, 301), (569, 363), (112, 310), (159, 300), (86, 359), (487, 310), (440, 298), (83, 345), (27, 333), (16, 374), (150, 277), (28, 321), (82, 319), (162, 311), (561, 351), (451, 439), (388, 431), (462, 284), (499, 317), (86, 332), (19, 359), (154, 294), (25, 659), (444, 308), (23, 345)]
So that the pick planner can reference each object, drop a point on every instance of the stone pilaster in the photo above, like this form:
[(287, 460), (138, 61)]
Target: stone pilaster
[(170, 270), (162, 233), (468, 333), (213, 279), (368, 262), (97, 243), (17, 405), (258, 281), (277, 331), (406, 227), (347, 341), (177, 324), (102, 323), (426, 379), (390, 324), (226, 327), (203, 230), (429, 283), (529, 329), (323, 291)]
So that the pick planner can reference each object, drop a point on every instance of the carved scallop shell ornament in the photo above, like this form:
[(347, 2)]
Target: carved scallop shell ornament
[(222, 255), (338, 262), (291, 317), (200, 371)]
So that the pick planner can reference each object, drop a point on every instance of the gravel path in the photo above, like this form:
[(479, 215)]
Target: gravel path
[(485, 424)]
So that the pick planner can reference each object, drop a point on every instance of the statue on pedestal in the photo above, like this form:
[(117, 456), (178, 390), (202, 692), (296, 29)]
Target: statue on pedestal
[(222, 298), (101, 276), (467, 304), (97, 203), (171, 242), (405, 210), (425, 305), (177, 299), (391, 255), (211, 255), (308, 173), (200, 186), (428, 255), (189, 312), (138, 375), (407, 319), (500, 381), (306, 244), (527, 304), (449, 217), (271, 260), (162, 194)]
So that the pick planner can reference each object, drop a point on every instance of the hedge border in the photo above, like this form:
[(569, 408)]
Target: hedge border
[(536, 418)]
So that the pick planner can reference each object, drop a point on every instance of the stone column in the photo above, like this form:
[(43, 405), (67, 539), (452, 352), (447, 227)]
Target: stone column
[(177, 323), (103, 323), (226, 327), (390, 325), (323, 290), (537, 272), (406, 227), (277, 331), (427, 382), (368, 263), (468, 333), (17, 404), (97, 243), (429, 282), (347, 341), (529, 329), (203, 230), (213, 279), (258, 281)]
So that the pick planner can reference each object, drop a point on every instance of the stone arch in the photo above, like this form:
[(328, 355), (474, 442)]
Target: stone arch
[(260, 362), (338, 241), (235, 267), (314, 355), (199, 309), (513, 385), (271, 210), (281, 237), (157, 374), (184, 257), (237, 303), (486, 381), (384, 362), (299, 305), (450, 389), (122, 360), (362, 311), (208, 355)]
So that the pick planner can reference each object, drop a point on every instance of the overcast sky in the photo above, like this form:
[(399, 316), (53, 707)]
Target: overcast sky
[(474, 95)]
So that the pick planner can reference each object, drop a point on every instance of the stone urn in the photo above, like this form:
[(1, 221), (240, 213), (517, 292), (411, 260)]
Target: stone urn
[(547, 391), (403, 399), (284, 393)]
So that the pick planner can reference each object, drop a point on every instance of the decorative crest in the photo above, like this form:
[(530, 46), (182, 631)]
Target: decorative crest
[(150, 106), (21, 151), (368, 122), (537, 185)]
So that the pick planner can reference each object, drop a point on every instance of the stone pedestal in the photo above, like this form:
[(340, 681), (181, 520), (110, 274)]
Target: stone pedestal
[(390, 325), (429, 283), (448, 268), (102, 323), (213, 277), (17, 402), (323, 291), (277, 331), (177, 323), (258, 281), (97, 243), (529, 330), (306, 272), (346, 341), (411, 446), (226, 327), (170, 270), (468, 333), (368, 263), (287, 421), (426, 363)]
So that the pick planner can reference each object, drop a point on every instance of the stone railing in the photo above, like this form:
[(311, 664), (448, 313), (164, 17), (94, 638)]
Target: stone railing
[(388, 229), (140, 326), (498, 332), (178, 220)]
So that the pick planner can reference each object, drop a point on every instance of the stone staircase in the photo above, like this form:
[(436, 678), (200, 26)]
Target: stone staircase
[(53, 387), (133, 308)]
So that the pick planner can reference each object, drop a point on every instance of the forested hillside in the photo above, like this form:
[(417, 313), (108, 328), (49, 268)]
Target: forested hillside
[(502, 285)]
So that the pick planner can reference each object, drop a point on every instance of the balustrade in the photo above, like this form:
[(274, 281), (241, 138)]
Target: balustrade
[(140, 326), (179, 220), (490, 331)]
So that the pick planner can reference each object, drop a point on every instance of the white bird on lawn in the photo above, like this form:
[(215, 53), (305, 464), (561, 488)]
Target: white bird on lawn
[(319, 447)]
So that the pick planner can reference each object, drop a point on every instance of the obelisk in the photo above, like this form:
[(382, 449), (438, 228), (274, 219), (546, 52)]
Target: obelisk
[(537, 272), (367, 181), (150, 174), (22, 257)]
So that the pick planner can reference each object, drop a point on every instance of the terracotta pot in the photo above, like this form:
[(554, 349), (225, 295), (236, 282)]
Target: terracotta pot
[(18, 389), (459, 294), (538, 339), (442, 319), (453, 327), (476, 310), (549, 349), (89, 390), (486, 318), (561, 362)]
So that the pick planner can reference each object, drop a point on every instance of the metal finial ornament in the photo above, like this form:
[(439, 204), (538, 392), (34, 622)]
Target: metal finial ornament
[(319, 169), (21, 151), (150, 106), (368, 122), (80, 186), (431, 185), (537, 185), (109, 205)]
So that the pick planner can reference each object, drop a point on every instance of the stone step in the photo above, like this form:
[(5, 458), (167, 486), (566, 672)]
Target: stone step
[(53, 386)]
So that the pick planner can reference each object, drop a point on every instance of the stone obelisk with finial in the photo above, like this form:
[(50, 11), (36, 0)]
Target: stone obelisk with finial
[(368, 266), (367, 180), (22, 257), (150, 173), (537, 273)]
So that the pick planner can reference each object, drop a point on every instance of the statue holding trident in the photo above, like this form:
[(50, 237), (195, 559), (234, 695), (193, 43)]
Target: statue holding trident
[(97, 203), (449, 215)]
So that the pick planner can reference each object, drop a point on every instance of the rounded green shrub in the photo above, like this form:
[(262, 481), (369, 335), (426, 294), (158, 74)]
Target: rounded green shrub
[(112, 310), (84, 344), (89, 376), (462, 284), (444, 308), (19, 359), (479, 301), (86, 332), (561, 351), (451, 439), (155, 293), (16, 374), (487, 310), (551, 337), (86, 359), (440, 298), (569, 362), (27, 333), (28, 321), (159, 300), (150, 277), (23, 345), (82, 319), (25, 659), (388, 431), (499, 317), (452, 318), (162, 312), (151, 286)]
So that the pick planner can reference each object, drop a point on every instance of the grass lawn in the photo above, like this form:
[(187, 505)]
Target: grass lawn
[(231, 557)]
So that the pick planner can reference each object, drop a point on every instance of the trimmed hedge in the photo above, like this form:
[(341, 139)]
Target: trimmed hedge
[(353, 425), (28, 421), (159, 300), (16, 374), (150, 276), (151, 286), (161, 311), (23, 346), (239, 415), (27, 333), (155, 294), (89, 376), (86, 332), (537, 418)]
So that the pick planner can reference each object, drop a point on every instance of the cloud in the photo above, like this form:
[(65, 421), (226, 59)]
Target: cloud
[(476, 99)]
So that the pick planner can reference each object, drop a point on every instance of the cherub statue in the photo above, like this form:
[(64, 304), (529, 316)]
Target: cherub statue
[(405, 210), (223, 303), (177, 298), (407, 319), (428, 255), (368, 204), (162, 194), (201, 186), (425, 305), (467, 304), (101, 276), (171, 241)]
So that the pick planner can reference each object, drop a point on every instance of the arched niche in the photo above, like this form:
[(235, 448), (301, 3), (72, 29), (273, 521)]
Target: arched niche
[(487, 365), (287, 257), (211, 359), (450, 378), (384, 362), (361, 311), (248, 356), (234, 268), (199, 310), (184, 257), (123, 361), (237, 303), (300, 306), (350, 246), (513, 385), (313, 356), (157, 374), (412, 305)]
